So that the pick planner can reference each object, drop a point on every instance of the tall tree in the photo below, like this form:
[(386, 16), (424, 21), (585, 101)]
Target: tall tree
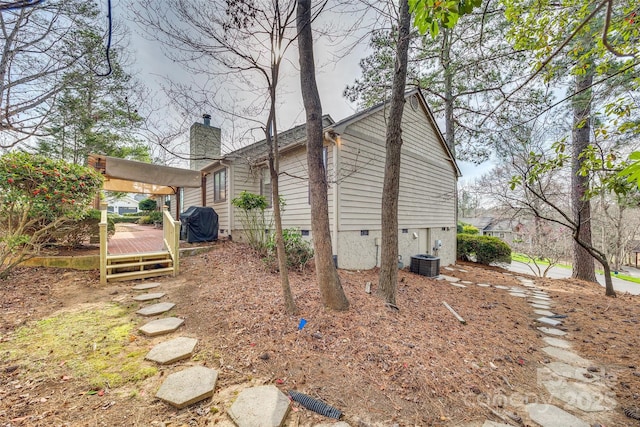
[(463, 72), (247, 42), (94, 113), (37, 47), (327, 277), (387, 282), (580, 40)]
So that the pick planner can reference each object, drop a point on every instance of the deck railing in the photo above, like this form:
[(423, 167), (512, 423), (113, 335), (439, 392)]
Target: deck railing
[(171, 236), (103, 243)]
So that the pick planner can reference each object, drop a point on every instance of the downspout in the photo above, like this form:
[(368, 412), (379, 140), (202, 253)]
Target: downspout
[(336, 193), (230, 195)]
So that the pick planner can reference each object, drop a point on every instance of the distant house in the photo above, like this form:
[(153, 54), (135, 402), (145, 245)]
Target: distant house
[(123, 205), (505, 229), (354, 155)]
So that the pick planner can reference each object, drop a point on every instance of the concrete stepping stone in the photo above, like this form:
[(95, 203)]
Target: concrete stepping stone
[(557, 342), (149, 297), (541, 306), (552, 416), (187, 387), (585, 397), (152, 310), (544, 312), (538, 300), (549, 321), (161, 326), (572, 372), (484, 285), (466, 282), (263, 406), (458, 285), (145, 286), (463, 270), (518, 294), (566, 356), (172, 350), (552, 331), (449, 278), (449, 268), (502, 287)]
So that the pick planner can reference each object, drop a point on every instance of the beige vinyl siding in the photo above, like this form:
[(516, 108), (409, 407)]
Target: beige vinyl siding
[(191, 197), (362, 168), (427, 177), (243, 180), (418, 135), (294, 187)]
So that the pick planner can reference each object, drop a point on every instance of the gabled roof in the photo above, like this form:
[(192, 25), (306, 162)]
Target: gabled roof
[(296, 136), (343, 124), (480, 223)]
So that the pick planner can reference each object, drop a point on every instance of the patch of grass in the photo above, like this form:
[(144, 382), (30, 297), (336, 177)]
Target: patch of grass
[(91, 345), (622, 277), (525, 259)]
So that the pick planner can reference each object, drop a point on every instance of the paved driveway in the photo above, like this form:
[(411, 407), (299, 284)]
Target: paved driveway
[(564, 273)]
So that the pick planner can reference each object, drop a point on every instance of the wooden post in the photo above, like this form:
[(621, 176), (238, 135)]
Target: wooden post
[(103, 243), (457, 316)]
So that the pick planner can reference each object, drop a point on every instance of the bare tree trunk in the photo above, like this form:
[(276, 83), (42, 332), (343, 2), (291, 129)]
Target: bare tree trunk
[(583, 266), (328, 280), (448, 90), (272, 141), (387, 284)]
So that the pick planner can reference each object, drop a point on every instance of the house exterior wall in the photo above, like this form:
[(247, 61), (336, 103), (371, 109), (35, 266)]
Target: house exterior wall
[(426, 204), (190, 197)]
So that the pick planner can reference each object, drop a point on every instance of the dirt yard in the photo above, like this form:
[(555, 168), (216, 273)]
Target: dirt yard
[(417, 366)]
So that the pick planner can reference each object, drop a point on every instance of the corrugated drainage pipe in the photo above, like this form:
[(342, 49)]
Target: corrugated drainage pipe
[(315, 405)]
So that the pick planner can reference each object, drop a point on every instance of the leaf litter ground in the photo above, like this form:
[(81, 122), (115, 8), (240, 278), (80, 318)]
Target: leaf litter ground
[(380, 367)]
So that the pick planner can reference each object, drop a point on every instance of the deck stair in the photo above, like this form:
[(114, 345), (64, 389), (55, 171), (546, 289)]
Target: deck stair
[(143, 264), (139, 266)]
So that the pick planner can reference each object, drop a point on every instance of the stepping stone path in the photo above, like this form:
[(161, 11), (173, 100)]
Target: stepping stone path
[(565, 378), (254, 407)]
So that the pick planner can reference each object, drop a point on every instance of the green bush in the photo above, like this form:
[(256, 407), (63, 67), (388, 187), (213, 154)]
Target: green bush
[(148, 205), (117, 219), (38, 195), (299, 251), (469, 229), (155, 216), (485, 249), (74, 233)]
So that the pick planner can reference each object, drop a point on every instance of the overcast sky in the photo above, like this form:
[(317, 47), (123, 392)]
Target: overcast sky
[(335, 70)]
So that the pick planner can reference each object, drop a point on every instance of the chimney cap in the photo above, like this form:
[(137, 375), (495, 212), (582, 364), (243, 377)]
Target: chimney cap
[(206, 116)]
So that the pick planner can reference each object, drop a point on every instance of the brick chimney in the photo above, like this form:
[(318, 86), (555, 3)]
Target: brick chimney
[(204, 143)]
